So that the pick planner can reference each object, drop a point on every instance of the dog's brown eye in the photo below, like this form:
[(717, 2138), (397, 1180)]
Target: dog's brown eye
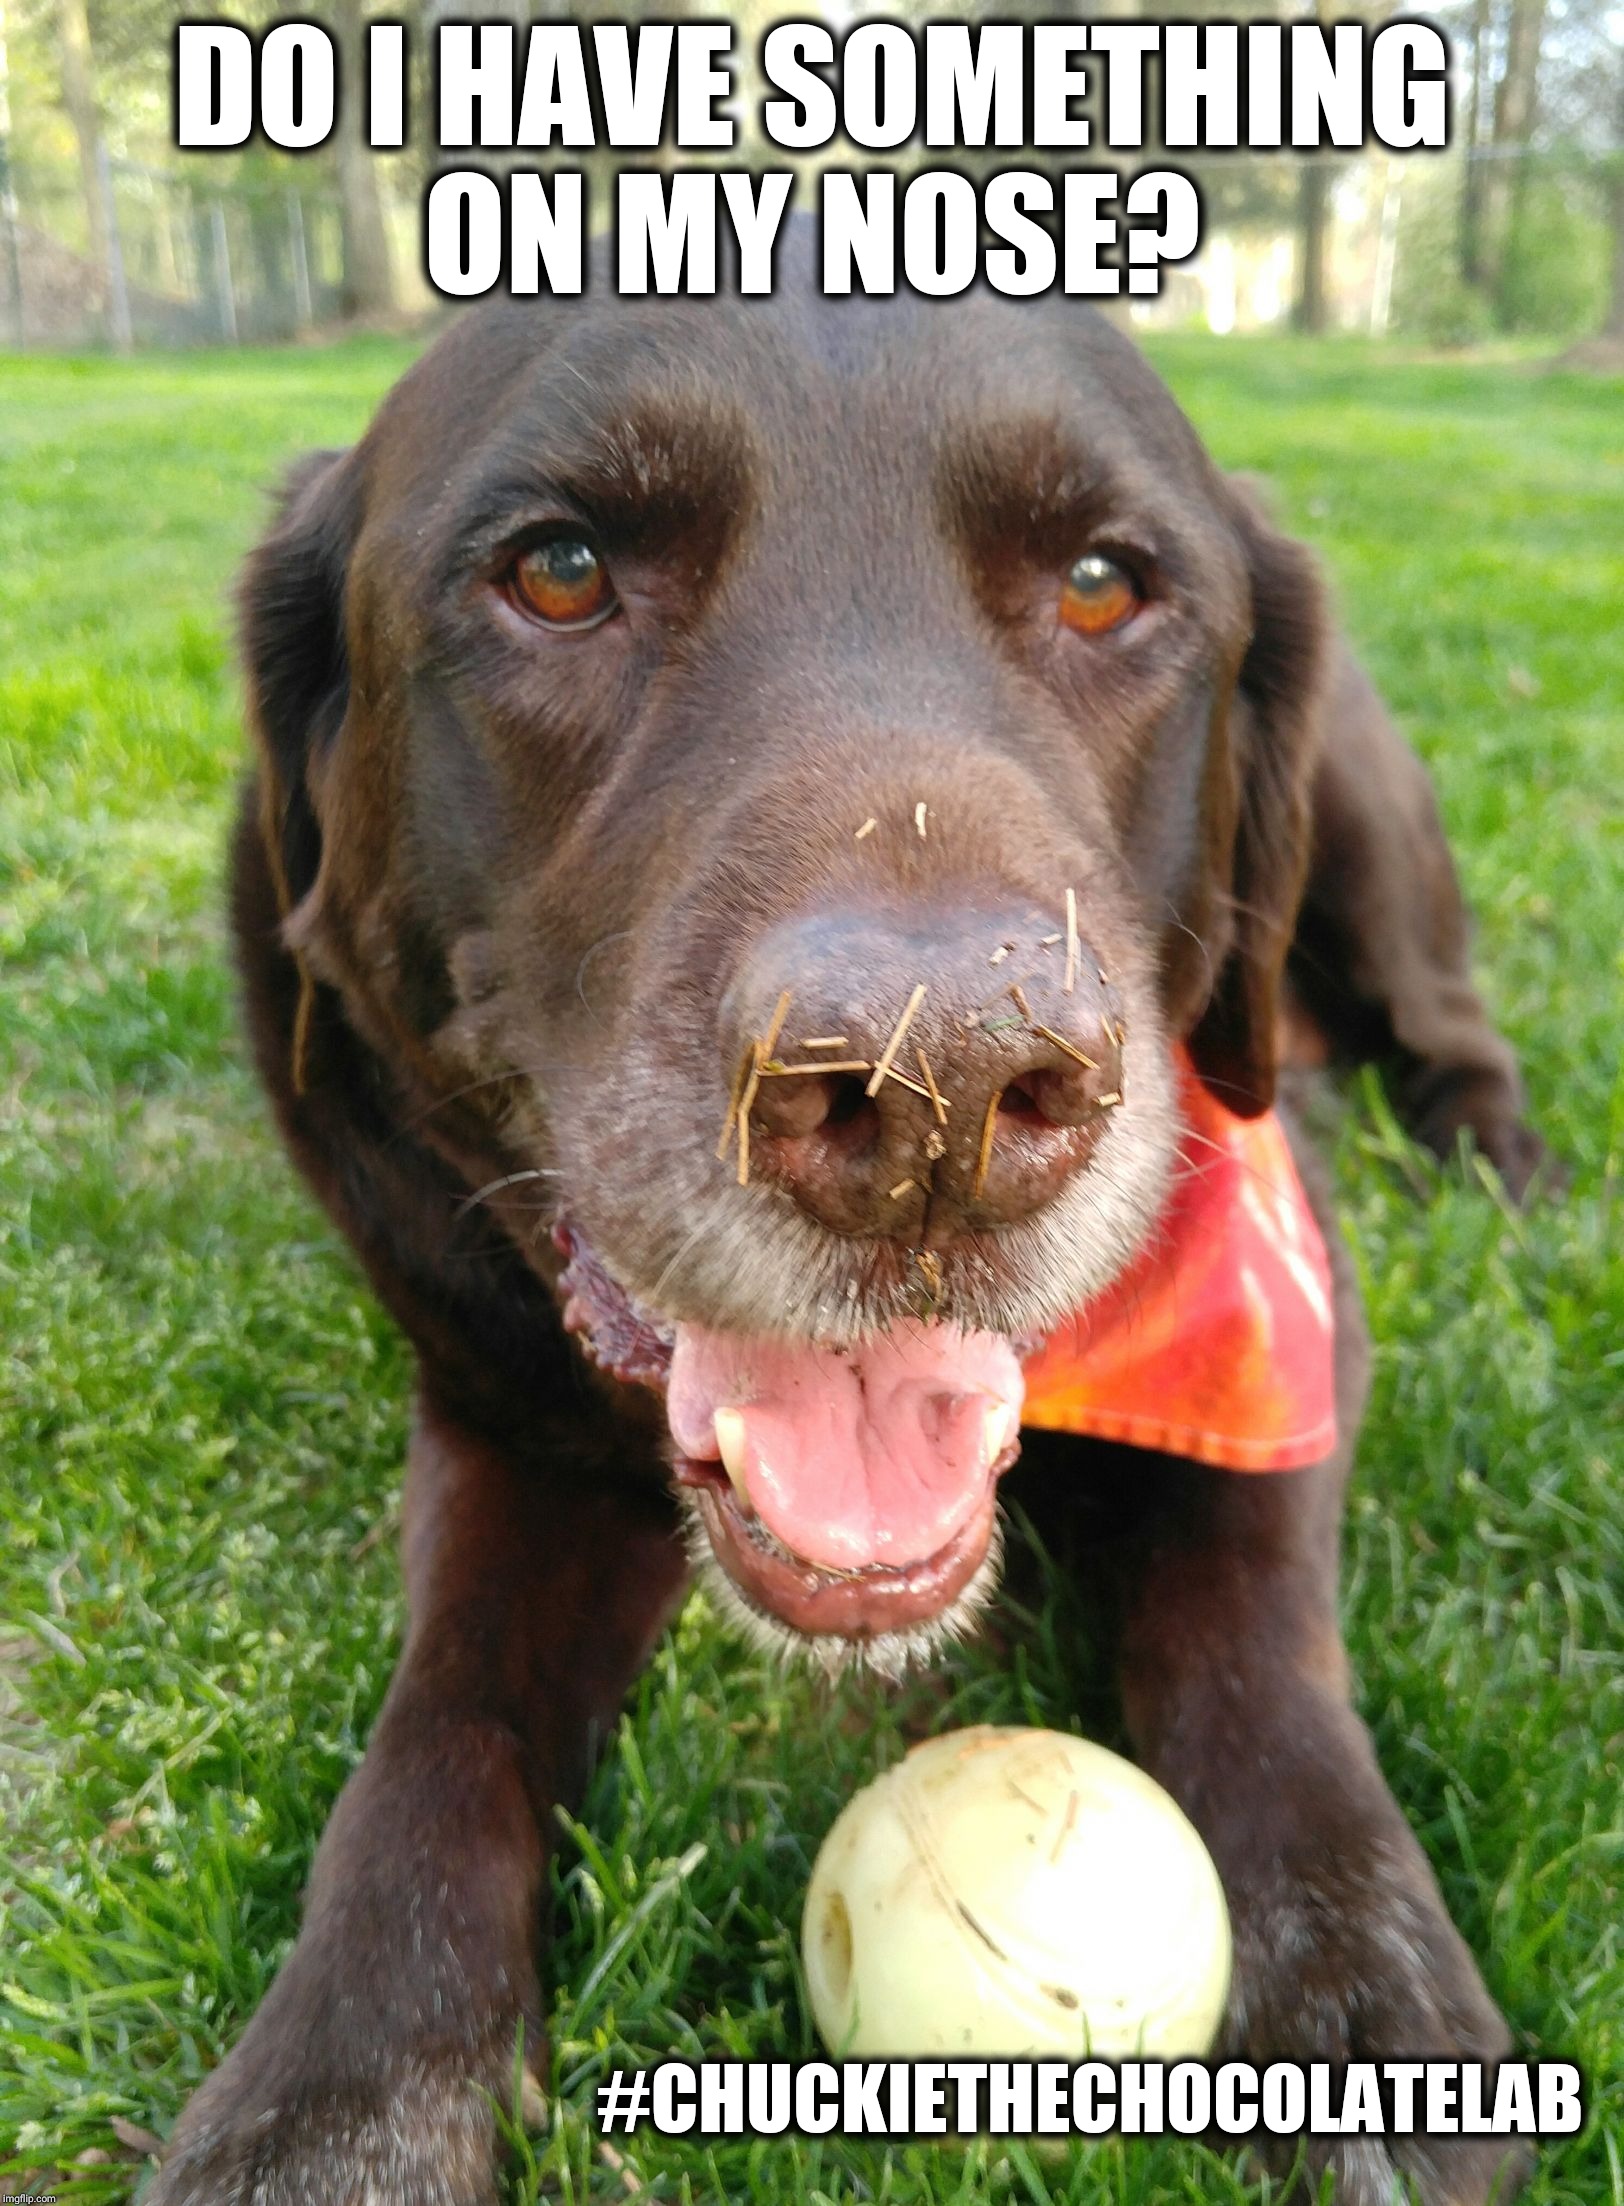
[(1099, 595), (564, 583)]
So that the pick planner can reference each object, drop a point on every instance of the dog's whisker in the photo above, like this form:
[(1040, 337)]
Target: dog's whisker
[(414, 1119), (620, 934), (495, 1187)]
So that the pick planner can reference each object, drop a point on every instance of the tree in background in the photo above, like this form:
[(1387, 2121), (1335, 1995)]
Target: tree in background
[(1505, 186), (79, 99), (105, 68), (11, 270), (1540, 125), (369, 279), (1527, 243), (1311, 311), (1613, 326)]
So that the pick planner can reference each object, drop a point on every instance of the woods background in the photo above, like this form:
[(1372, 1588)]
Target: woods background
[(109, 236)]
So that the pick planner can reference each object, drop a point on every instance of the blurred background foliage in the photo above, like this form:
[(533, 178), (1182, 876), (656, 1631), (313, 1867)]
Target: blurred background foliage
[(109, 235)]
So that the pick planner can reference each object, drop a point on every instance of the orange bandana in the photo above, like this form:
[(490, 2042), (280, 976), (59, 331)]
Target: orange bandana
[(1217, 1344)]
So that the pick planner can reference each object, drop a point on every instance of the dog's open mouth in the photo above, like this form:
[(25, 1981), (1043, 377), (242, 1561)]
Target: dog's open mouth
[(847, 1491)]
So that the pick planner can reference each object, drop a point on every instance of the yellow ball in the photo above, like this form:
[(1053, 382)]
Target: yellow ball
[(1015, 1892)]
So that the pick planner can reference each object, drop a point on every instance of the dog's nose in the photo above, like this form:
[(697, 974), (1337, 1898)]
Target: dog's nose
[(918, 1077)]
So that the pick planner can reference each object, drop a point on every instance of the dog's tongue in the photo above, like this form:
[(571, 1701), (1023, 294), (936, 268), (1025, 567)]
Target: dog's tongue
[(852, 1456)]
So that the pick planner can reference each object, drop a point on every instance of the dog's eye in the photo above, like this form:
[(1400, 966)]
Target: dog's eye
[(1099, 595), (564, 583)]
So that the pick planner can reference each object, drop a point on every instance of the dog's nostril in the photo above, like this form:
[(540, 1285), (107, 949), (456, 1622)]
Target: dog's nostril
[(1019, 1104), (849, 1102), (794, 1106), (811, 1103), (1064, 1095)]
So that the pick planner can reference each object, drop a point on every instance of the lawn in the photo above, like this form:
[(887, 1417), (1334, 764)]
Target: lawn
[(201, 1411)]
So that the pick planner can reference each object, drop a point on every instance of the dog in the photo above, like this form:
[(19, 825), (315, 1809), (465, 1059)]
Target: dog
[(787, 836)]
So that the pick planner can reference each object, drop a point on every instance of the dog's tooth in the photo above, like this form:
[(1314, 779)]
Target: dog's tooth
[(730, 1442), (997, 1425)]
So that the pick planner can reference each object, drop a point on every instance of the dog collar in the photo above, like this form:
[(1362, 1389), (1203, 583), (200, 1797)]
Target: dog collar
[(1217, 1344)]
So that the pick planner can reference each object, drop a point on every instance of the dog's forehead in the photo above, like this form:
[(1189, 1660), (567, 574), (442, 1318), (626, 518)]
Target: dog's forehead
[(903, 380)]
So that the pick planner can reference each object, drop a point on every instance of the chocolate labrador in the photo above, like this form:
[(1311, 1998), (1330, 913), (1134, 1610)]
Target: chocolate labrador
[(775, 822)]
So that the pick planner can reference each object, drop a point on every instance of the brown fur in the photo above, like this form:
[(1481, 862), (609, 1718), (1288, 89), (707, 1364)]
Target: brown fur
[(494, 894)]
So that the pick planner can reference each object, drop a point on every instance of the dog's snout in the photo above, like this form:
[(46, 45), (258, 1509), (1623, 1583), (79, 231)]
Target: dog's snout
[(918, 1079)]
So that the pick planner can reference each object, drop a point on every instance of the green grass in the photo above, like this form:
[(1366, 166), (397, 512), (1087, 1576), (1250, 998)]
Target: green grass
[(201, 1418)]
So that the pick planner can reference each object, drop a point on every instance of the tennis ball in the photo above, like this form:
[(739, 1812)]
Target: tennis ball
[(1015, 1893)]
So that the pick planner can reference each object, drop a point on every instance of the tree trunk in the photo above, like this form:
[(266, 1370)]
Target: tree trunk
[(369, 284), (11, 267), (1613, 326), (1515, 99), (273, 278), (79, 98), (1472, 187), (1313, 227)]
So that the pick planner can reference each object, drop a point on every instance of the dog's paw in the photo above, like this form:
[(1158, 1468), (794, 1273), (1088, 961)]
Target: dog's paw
[(1357, 1960), (418, 2134), (1367, 2171), (1486, 1115)]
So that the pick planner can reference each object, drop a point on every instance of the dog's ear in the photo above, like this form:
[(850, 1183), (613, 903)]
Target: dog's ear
[(291, 634), (1274, 727)]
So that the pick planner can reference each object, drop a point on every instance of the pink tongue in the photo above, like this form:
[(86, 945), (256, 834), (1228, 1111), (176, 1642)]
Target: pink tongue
[(875, 1454)]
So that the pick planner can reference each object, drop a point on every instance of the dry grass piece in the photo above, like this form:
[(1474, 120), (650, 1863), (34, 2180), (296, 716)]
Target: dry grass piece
[(895, 1043), (775, 1027), (865, 830), (776, 1071), (825, 1041), (754, 1066), (617, 2166), (919, 821), (1060, 1042), (739, 1079), (935, 1145), (1064, 1832), (1017, 996), (938, 1102), (896, 1193), (752, 1081), (1108, 1102), (1070, 980), (989, 1127), (999, 955)]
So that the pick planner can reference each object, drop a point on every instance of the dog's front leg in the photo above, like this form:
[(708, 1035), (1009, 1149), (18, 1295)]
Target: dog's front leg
[(1235, 1688), (1382, 957), (534, 1598)]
